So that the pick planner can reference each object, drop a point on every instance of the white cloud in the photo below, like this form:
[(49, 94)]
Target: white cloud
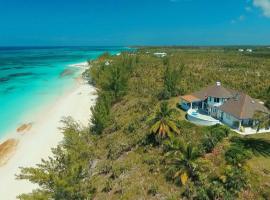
[(239, 19), (248, 9), (264, 5)]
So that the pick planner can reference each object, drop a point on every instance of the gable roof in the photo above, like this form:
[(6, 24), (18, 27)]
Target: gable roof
[(242, 106)]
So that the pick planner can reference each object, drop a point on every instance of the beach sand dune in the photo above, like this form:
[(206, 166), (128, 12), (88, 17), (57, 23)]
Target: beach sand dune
[(43, 134)]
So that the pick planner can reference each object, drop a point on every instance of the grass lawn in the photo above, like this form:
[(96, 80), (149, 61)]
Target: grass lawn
[(260, 167)]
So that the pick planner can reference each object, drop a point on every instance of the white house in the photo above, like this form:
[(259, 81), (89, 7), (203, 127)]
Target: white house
[(249, 50), (161, 55), (241, 50), (216, 104)]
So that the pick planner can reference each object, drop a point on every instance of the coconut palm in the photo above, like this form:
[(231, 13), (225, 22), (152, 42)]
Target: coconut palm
[(163, 125), (185, 166)]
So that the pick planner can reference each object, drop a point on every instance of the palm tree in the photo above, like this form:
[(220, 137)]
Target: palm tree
[(185, 166), (163, 125), (262, 120)]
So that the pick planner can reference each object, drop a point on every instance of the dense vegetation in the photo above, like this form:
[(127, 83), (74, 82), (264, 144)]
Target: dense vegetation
[(139, 145)]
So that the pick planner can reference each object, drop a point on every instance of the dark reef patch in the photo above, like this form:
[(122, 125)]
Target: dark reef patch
[(5, 68), (16, 75), (21, 74), (7, 90), (4, 79), (16, 67)]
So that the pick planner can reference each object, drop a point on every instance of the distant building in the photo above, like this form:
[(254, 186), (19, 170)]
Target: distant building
[(107, 63), (241, 50), (161, 55), (249, 50)]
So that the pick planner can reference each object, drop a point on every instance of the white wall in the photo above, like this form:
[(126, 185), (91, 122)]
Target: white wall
[(213, 103), (229, 119)]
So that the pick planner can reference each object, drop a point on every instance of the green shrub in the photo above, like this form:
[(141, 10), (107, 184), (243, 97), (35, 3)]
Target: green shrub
[(171, 78), (118, 170), (150, 160), (105, 168), (236, 179), (189, 191), (201, 194), (115, 150), (132, 127), (237, 154), (214, 135), (209, 143), (153, 190), (216, 190), (164, 95), (108, 186), (100, 114)]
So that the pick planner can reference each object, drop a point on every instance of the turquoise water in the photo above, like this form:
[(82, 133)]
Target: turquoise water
[(30, 77)]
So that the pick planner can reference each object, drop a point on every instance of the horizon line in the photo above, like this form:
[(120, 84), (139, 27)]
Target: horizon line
[(140, 45)]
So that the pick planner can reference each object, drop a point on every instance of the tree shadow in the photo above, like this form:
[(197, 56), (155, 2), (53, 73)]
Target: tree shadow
[(258, 146)]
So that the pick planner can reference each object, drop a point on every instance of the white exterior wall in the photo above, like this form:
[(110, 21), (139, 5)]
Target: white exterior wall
[(219, 113), (210, 101), (229, 119), (213, 107), (213, 103)]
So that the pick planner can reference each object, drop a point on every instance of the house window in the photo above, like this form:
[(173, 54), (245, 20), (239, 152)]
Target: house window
[(216, 100)]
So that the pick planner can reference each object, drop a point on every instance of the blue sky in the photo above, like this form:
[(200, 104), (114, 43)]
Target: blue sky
[(134, 22)]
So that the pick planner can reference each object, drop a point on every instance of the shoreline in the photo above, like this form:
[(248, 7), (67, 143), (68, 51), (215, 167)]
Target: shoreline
[(30, 114), (35, 142)]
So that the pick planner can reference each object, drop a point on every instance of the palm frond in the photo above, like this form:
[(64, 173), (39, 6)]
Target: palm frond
[(173, 127), (155, 127)]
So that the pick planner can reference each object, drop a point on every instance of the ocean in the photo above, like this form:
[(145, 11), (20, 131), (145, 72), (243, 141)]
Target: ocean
[(31, 77)]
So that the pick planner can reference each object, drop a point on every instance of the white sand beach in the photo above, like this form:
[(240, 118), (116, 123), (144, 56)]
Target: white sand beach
[(80, 65), (36, 141)]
